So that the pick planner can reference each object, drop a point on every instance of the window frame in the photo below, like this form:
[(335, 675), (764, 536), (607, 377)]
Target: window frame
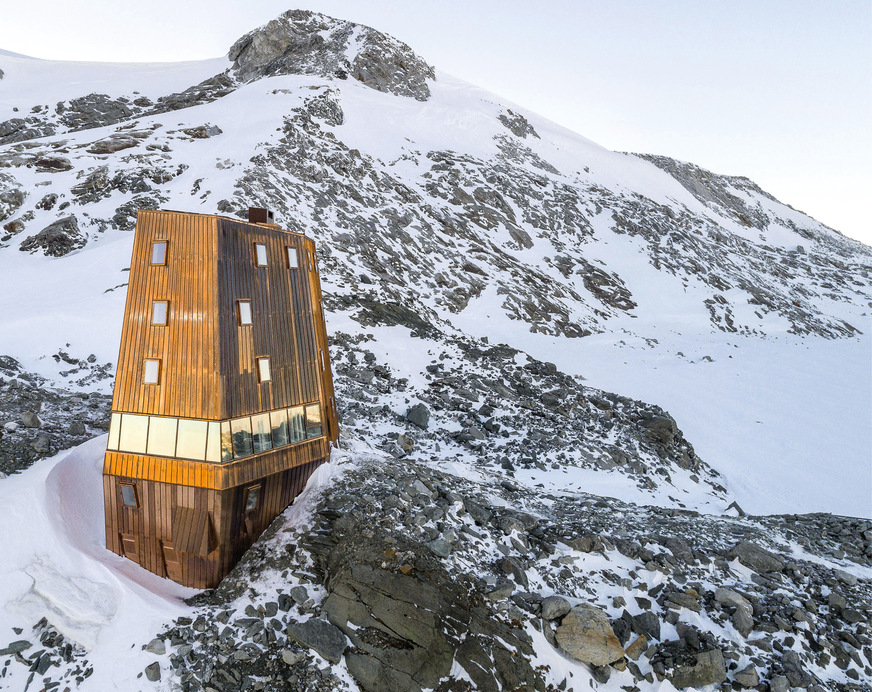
[(292, 251), (154, 243), (239, 320), (132, 486), (166, 315), (145, 362), (257, 489), (257, 262), (259, 360)]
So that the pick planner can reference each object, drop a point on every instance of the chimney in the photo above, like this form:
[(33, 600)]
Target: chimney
[(260, 215)]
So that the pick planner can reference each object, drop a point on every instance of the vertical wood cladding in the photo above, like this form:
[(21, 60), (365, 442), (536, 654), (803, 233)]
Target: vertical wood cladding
[(190, 522)]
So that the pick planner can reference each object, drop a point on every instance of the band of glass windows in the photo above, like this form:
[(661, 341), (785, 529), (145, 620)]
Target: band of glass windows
[(198, 440)]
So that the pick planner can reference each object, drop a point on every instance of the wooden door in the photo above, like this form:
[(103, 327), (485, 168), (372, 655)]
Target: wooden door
[(171, 562)]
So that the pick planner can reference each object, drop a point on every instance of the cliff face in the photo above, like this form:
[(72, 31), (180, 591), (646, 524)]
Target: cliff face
[(478, 263)]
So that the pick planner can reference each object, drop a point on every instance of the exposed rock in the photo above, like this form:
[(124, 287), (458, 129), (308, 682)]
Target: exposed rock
[(203, 131), (419, 415), (709, 669), (156, 646), (321, 636), (52, 164), (31, 420), (10, 198), (94, 110), (555, 607), (152, 672), (747, 677), (113, 143), (57, 239), (586, 635), (795, 671), (518, 124), (756, 558), (303, 42), (637, 647)]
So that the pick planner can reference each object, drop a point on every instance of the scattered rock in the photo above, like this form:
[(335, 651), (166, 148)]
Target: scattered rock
[(152, 672), (747, 677), (321, 636), (586, 635), (756, 558), (57, 239), (419, 415), (555, 607), (709, 669)]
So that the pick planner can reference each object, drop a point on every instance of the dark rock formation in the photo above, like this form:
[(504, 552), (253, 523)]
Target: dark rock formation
[(57, 239)]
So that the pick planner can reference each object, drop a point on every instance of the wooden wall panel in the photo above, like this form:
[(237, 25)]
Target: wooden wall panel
[(187, 347)]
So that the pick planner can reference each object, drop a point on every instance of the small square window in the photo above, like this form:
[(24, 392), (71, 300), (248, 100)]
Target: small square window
[(252, 498), (260, 254), (159, 311), (152, 372), (244, 311), (263, 369), (159, 252), (128, 495), (293, 258)]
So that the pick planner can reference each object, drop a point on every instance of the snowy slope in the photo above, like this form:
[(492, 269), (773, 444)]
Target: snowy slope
[(465, 246)]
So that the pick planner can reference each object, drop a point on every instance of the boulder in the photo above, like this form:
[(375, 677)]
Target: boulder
[(587, 636), (795, 671), (756, 558), (57, 239), (555, 607), (152, 672), (419, 415), (747, 677), (31, 420), (709, 669), (326, 639)]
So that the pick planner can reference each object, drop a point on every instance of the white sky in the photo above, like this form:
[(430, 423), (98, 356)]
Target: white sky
[(777, 90)]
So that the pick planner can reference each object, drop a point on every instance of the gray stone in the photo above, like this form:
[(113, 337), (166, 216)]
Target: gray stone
[(16, 647), (756, 558), (743, 621), (57, 239), (500, 592), (747, 677), (795, 671), (76, 428), (419, 415), (846, 577), (152, 672), (648, 623), (440, 547), (731, 598), (709, 669), (326, 639), (555, 607), (299, 594), (292, 658), (779, 684), (156, 646), (586, 635), (31, 420), (637, 647)]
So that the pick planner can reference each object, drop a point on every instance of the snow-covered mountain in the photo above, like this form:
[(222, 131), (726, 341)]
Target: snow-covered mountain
[(478, 264)]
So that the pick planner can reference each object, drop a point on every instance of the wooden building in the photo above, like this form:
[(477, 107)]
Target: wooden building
[(223, 404)]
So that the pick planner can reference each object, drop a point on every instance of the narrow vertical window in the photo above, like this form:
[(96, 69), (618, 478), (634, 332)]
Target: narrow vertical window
[(252, 498), (313, 421), (114, 430), (128, 495), (152, 372), (310, 259), (159, 311), (243, 310), (323, 364), (263, 369), (293, 258), (260, 254), (159, 252)]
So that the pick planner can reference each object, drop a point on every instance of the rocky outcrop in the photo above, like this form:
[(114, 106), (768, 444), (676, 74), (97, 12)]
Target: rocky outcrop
[(302, 42), (57, 239)]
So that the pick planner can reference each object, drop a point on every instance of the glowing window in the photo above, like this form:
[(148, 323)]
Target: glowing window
[(293, 258), (159, 252), (244, 311), (260, 254), (213, 442), (263, 369), (162, 436), (134, 433), (159, 311), (152, 372), (114, 430), (192, 439)]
